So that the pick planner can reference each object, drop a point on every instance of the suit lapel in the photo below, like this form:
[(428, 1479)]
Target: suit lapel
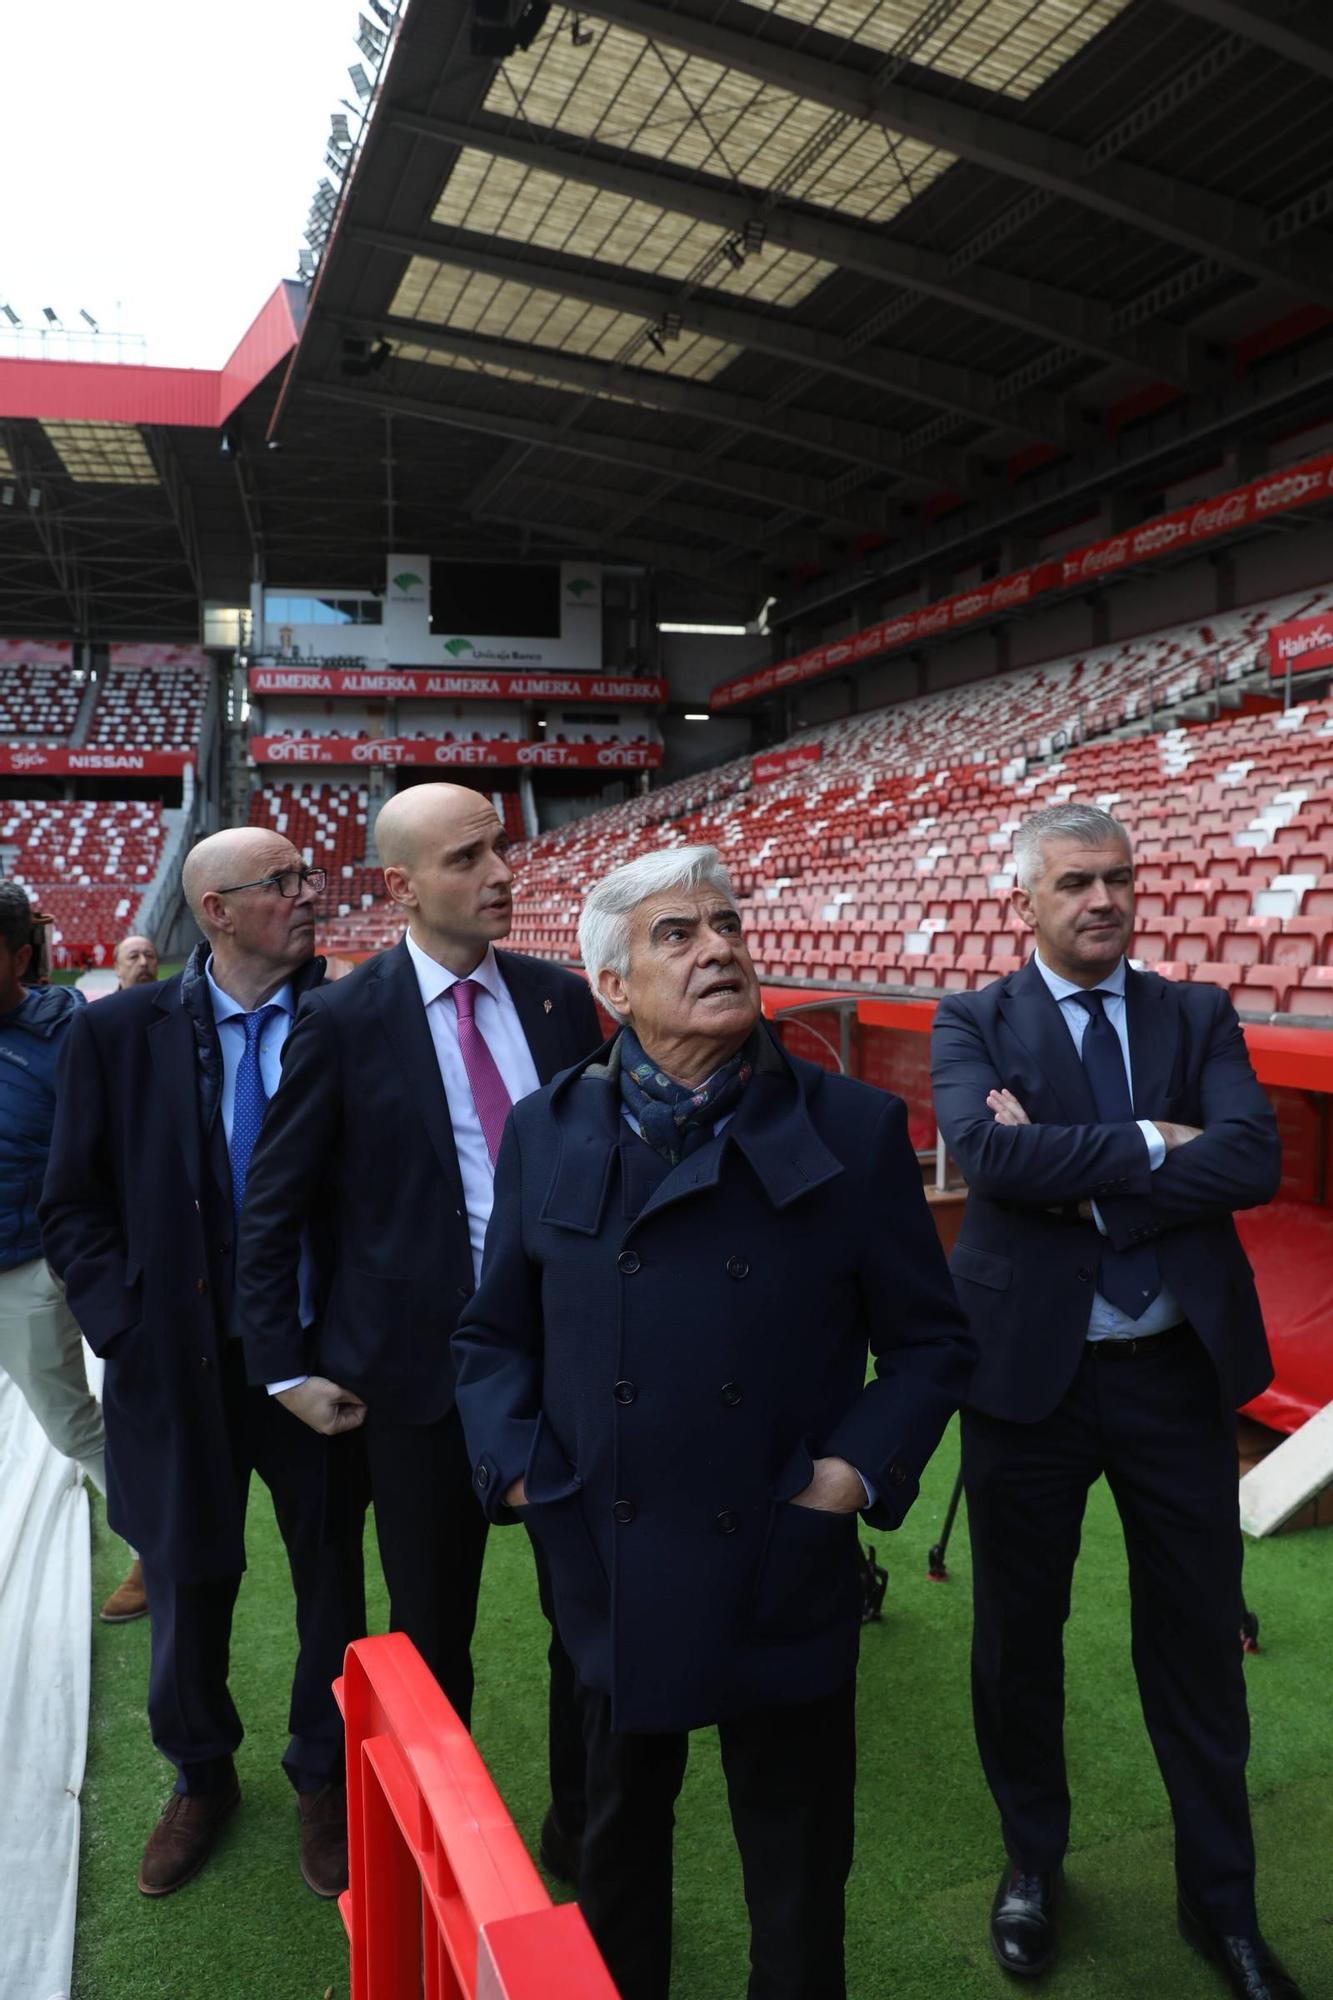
[(1154, 1030), (397, 1003), (541, 1012), (175, 1055), (1032, 1014)]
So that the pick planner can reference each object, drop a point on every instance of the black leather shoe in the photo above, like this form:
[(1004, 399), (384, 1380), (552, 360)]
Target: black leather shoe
[(1247, 1964), (559, 1852), (1022, 1923)]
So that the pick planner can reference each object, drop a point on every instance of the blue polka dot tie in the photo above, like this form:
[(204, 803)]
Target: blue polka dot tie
[(249, 1103)]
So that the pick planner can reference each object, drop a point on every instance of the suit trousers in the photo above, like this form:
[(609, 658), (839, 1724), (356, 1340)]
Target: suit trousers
[(314, 1485), (791, 1775), (1147, 1414)]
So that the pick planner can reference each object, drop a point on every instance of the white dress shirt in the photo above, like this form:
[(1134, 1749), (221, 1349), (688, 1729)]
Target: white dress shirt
[(502, 1031), (1107, 1322)]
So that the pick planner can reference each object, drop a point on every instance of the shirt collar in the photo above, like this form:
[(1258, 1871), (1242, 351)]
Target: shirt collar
[(435, 979), (227, 1009), (1065, 989)]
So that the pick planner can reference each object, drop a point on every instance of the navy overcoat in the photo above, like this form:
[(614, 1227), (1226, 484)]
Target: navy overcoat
[(660, 1353)]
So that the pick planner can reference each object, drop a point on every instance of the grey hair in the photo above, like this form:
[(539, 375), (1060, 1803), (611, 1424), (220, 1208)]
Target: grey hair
[(1089, 825), (604, 927)]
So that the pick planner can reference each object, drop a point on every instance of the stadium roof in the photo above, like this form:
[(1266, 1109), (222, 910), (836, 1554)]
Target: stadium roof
[(798, 297)]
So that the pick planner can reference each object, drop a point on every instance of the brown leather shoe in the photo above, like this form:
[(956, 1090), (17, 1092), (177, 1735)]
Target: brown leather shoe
[(324, 1838), (128, 1600), (183, 1838)]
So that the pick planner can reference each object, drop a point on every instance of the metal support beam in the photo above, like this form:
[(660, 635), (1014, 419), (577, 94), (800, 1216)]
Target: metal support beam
[(652, 554), (1305, 41), (760, 485), (837, 437), (1068, 318), (1211, 225), (964, 391)]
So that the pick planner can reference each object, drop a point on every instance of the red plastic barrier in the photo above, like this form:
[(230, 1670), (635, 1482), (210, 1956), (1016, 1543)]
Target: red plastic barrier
[(443, 1901)]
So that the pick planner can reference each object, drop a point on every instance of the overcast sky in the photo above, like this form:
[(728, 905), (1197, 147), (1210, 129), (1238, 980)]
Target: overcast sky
[(160, 160)]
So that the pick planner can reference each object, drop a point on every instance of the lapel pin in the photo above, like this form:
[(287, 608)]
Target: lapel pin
[(546, 1006)]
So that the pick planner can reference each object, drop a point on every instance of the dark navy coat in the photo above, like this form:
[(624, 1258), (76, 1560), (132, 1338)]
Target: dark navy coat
[(31, 1039), (660, 1353), (137, 1219), (1025, 1262)]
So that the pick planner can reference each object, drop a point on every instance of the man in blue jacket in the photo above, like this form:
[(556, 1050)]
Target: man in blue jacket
[(695, 1241), (1108, 1123), (40, 1345)]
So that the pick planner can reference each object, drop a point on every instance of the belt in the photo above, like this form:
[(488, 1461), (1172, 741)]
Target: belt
[(1141, 1343)]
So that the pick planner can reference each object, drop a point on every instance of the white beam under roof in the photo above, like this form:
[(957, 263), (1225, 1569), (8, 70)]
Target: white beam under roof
[(1210, 225)]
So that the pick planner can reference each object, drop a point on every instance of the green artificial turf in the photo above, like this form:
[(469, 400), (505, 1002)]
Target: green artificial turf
[(928, 1854)]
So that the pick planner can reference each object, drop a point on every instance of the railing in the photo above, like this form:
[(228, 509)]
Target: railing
[(443, 1901)]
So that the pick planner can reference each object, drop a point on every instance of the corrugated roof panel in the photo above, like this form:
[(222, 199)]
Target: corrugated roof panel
[(661, 104), (498, 370), (443, 294), (1011, 46), (102, 454), (525, 205)]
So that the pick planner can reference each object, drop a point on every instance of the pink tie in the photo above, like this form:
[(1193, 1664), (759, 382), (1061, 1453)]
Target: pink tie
[(492, 1100)]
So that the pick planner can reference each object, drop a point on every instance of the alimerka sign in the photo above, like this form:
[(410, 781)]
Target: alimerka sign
[(443, 756), (1168, 535), (107, 762), (1301, 646), (413, 684), (774, 764)]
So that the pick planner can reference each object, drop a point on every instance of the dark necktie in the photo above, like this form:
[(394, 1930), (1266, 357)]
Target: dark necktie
[(1127, 1279), (249, 1103)]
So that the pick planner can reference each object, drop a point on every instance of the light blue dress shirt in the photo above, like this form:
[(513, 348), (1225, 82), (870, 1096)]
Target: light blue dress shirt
[(1107, 1322), (230, 1017)]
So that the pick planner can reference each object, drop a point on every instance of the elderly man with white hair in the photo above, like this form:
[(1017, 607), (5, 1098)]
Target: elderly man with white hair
[(695, 1241)]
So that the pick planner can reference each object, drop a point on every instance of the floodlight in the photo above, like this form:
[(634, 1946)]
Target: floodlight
[(753, 234), (305, 263), (11, 315), (370, 39), (83, 314), (338, 161), (50, 315), (34, 498), (383, 13), (671, 324), (655, 340), (360, 81), (227, 445), (734, 252), (580, 33), (342, 131)]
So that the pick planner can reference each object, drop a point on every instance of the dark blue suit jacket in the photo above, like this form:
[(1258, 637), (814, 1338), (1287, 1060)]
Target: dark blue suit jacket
[(661, 1352), (1025, 1264), (357, 1144)]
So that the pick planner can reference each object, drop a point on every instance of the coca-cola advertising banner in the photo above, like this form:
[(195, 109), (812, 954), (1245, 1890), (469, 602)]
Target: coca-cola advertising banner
[(775, 764), (445, 756), (409, 684), (27, 760), (41, 652), (1302, 646), (1169, 534)]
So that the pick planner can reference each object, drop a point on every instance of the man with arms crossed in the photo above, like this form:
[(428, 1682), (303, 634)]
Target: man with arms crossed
[(162, 1093), (396, 1084), (1108, 1123)]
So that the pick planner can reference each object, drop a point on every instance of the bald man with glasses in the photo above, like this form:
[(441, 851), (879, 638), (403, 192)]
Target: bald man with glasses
[(163, 1091)]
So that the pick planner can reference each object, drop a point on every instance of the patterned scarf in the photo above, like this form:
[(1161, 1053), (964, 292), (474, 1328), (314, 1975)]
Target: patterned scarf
[(676, 1121)]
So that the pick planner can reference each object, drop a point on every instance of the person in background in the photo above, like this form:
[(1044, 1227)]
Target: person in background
[(163, 1090), (696, 1239), (41, 1348), (1108, 1124), (395, 1087), (134, 962)]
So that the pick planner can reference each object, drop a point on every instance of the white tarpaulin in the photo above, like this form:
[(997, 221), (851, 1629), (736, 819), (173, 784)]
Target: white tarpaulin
[(45, 1633)]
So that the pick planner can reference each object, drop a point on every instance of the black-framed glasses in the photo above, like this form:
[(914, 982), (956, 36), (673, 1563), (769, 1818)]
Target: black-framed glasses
[(288, 882)]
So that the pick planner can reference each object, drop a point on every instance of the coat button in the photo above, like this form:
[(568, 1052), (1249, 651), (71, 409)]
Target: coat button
[(1083, 1274), (737, 1267), (728, 1521), (624, 1392), (898, 1475), (628, 1261), (730, 1394), (201, 1284), (623, 1511), (483, 1476)]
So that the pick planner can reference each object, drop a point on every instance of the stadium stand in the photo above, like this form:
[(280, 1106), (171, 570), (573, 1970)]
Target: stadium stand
[(158, 707), (39, 702), (87, 864)]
